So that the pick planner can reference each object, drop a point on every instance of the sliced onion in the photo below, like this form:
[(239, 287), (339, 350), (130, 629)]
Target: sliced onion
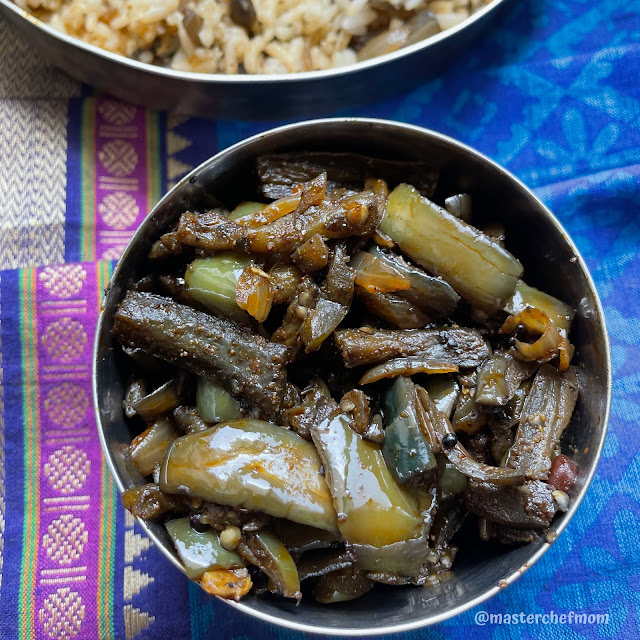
[(377, 185), (545, 347), (271, 212), (383, 240), (376, 276), (254, 293)]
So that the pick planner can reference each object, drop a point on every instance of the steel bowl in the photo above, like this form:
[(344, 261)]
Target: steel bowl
[(262, 97), (552, 262)]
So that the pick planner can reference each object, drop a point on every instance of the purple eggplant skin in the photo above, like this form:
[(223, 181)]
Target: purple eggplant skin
[(546, 412), (279, 173), (247, 365), (461, 347)]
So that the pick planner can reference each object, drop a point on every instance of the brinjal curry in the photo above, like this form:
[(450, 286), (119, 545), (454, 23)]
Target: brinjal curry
[(327, 382)]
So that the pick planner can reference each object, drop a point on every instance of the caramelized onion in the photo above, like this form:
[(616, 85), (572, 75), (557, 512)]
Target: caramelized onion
[(374, 275), (546, 347), (254, 293)]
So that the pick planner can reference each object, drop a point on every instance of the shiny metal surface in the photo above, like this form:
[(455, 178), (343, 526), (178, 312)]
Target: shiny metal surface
[(551, 262), (259, 97)]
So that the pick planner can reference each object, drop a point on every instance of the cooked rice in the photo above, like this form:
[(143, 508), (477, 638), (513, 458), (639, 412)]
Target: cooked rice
[(199, 35)]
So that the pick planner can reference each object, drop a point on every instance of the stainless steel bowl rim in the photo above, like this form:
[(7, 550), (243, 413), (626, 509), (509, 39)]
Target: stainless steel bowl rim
[(575, 502), (272, 78)]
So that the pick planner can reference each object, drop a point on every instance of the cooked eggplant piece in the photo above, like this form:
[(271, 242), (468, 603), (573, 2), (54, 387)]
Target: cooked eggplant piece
[(215, 404), (188, 420), (529, 506), (319, 563), (147, 501), (341, 586), (356, 403), (372, 508), (166, 246), (393, 309), (525, 297), (246, 364), (198, 551), (279, 173), (546, 412), (478, 446), (266, 551), (508, 416), (444, 392), (251, 464), (311, 408), (478, 268), (320, 323), (220, 517), (147, 449), (333, 301), (299, 308), (312, 192), (499, 378), (285, 279), (313, 255), (469, 416), (212, 282), (406, 451), (435, 297), (449, 518), (405, 558), (406, 367), (299, 538), (452, 481), (457, 454), (356, 215), (165, 398), (500, 443), (461, 347)]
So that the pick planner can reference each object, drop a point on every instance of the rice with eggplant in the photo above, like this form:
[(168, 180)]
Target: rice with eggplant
[(251, 36)]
